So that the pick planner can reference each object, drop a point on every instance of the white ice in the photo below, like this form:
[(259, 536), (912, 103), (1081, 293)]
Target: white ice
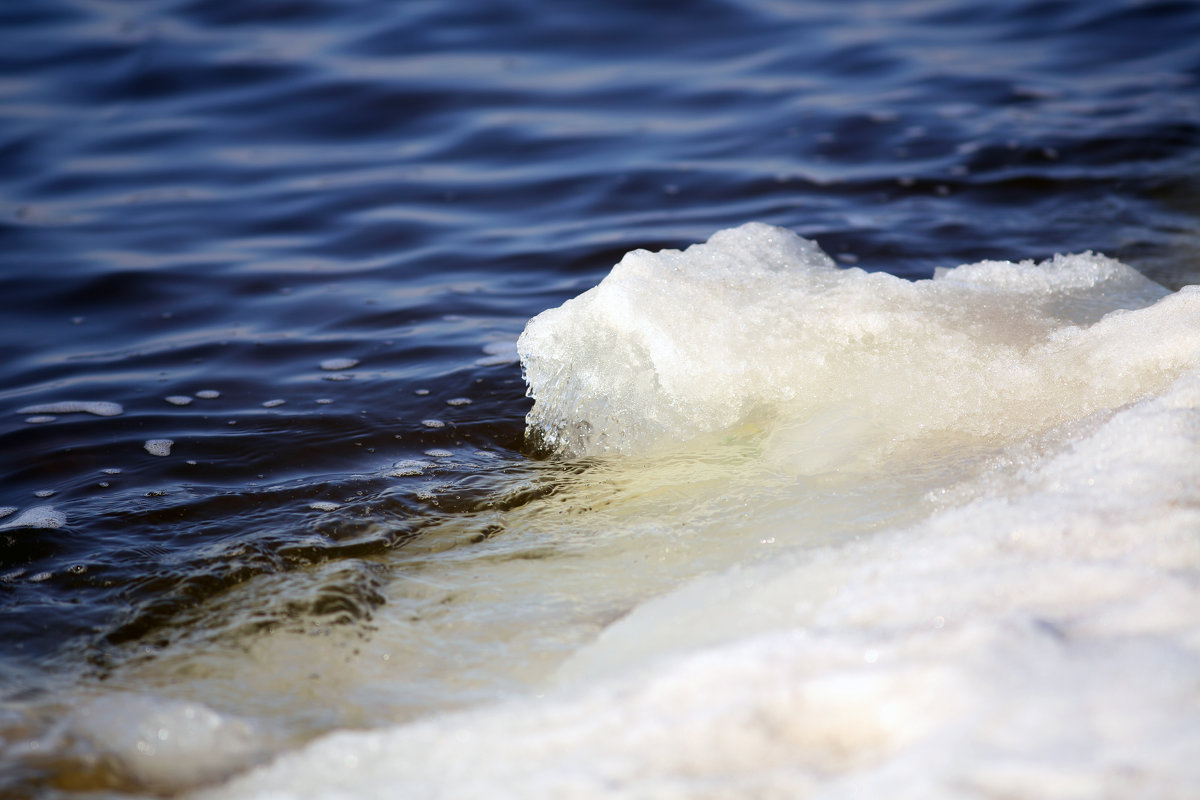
[(837, 535), (160, 743)]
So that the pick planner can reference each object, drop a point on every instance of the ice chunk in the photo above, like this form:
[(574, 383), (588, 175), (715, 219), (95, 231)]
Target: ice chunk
[(165, 745), (759, 327), (1077, 288), (980, 492)]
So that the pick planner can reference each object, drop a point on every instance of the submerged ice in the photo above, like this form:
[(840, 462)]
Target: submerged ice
[(854, 536), (160, 743)]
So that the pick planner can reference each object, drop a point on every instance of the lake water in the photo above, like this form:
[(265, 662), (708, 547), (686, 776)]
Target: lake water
[(790, 519)]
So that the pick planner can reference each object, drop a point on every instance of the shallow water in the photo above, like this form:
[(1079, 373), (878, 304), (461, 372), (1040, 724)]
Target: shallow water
[(296, 243)]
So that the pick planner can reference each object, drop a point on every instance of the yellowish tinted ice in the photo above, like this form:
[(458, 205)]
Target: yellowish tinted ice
[(1040, 640)]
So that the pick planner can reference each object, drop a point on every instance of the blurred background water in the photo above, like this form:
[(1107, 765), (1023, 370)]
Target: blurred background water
[(295, 241)]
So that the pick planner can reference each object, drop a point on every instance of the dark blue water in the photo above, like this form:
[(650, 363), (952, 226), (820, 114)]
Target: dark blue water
[(219, 197)]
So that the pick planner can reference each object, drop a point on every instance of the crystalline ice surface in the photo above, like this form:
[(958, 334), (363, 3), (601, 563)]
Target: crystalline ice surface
[(758, 322)]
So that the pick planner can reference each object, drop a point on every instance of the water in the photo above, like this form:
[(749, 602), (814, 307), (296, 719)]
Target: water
[(262, 418)]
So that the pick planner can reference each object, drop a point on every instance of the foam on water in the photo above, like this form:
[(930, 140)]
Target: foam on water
[(867, 538), (36, 517), (101, 408), (158, 447), (333, 364), (406, 468)]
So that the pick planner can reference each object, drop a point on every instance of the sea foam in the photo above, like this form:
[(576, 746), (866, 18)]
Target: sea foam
[(36, 517), (101, 408), (867, 537)]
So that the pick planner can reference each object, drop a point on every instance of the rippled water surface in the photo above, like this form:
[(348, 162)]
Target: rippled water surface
[(296, 240)]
